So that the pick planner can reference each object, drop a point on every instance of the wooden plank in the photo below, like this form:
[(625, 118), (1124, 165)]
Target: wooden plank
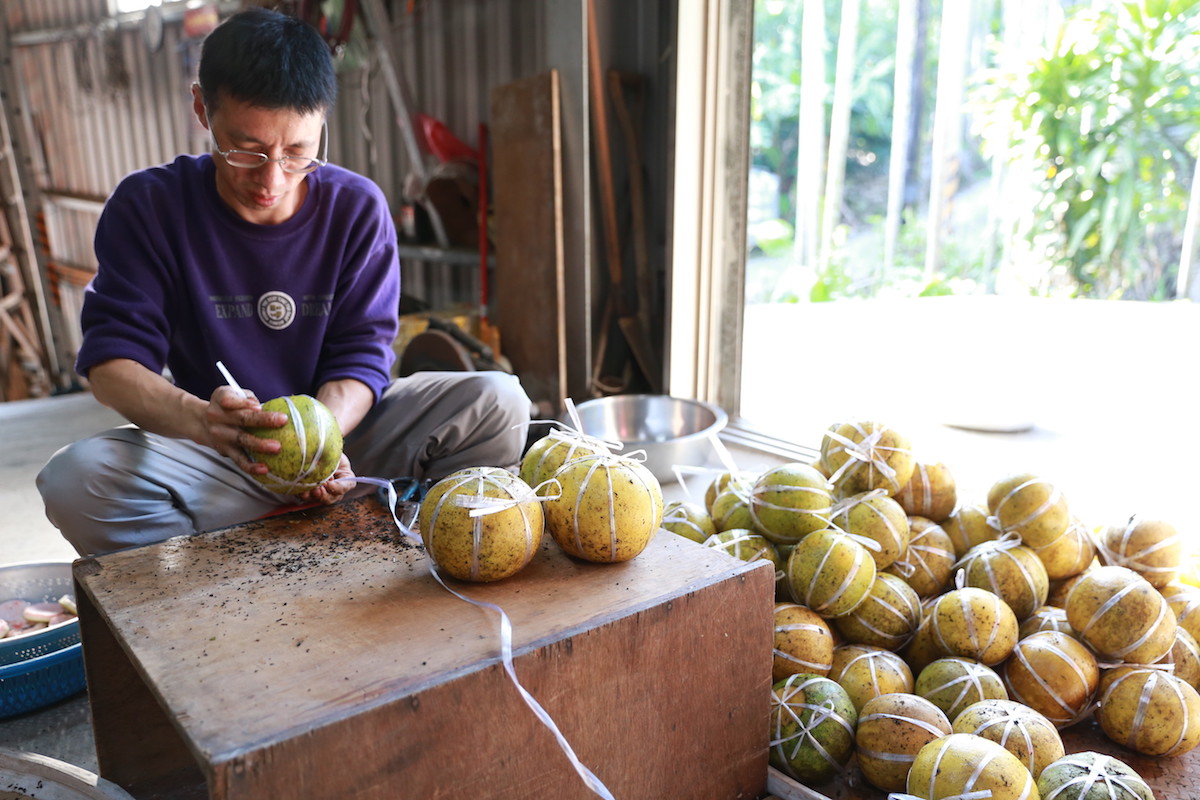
[(280, 647), (528, 292)]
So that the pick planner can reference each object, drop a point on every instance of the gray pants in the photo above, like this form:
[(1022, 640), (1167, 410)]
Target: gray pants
[(126, 487)]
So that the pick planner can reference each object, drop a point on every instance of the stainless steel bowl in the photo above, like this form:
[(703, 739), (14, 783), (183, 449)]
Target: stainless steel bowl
[(673, 431)]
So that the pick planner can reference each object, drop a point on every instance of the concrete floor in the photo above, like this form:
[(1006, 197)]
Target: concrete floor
[(30, 432)]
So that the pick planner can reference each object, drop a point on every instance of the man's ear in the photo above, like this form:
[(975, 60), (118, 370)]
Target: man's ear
[(198, 105)]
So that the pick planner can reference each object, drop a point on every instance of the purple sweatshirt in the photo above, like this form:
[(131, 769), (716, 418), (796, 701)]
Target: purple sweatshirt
[(183, 282)]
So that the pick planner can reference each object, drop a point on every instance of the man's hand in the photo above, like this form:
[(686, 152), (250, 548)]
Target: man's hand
[(335, 488), (228, 415)]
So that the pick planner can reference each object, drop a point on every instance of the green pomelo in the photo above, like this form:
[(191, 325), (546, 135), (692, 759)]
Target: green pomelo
[(311, 445)]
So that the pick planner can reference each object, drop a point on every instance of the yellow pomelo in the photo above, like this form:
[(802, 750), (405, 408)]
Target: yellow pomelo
[(1046, 618), (887, 618), (963, 765), (864, 455), (879, 520), (1017, 728), (974, 623), (545, 456), (481, 524), (608, 509), (1010, 570), (1152, 548), (928, 562), (892, 729), (866, 672), (830, 573), (689, 520), (931, 492), (1029, 506), (952, 684), (311, 445), (1069, 554), (968, 526), (803, 642), (1092, 776), (789, 502), (1054, 674), (1151, 712), (1118, 614)]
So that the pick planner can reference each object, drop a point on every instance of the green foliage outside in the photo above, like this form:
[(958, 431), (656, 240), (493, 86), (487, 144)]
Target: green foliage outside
[(1100, 129)]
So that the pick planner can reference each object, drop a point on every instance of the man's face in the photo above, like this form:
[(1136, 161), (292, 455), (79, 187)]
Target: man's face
[(266, 195)]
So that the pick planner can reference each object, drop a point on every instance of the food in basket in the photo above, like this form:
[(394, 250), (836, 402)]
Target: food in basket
[(608, 510), (1150, 711), (1092, 776), (1031, 507), (803, 642), (931, 492), (962, 765), (877, 518), (1017, 728), (20, 617), (1152, 548), (1054, 674), (789, 502), (1118, 614), (481, 524), (812, 727), (892, 729)]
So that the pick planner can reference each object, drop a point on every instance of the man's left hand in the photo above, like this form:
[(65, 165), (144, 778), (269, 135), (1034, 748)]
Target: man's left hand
[(333, 489)]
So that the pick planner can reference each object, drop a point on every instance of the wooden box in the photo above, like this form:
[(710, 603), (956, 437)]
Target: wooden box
[(313, 655)]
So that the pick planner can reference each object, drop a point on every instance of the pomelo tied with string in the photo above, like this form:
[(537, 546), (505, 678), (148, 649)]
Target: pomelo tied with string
[(892, 729), (1151, 712), (545, 456), (605, 508), (789, 502), (1092, 776), (963, 765), (876, 518), (1019, 729), (1054, 674), (1152, 548), (812, 727), (481, 524), (311, 445), (829, 572), (1120, 616), (863, 455)]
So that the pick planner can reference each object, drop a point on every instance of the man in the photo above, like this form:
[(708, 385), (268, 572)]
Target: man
[(283, 267)]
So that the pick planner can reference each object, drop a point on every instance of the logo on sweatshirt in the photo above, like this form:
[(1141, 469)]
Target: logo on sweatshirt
[(276, 310)]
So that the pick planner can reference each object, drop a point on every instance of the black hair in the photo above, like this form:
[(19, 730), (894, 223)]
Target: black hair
[(268, 59)]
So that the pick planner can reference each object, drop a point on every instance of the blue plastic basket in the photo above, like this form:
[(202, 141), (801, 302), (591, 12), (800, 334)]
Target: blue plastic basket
[(38, 682), (37, 583)]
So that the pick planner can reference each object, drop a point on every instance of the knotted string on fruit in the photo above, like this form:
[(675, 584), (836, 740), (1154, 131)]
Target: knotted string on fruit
[(867, 452), (1013, 723), (1097, 774), (593, 783), (818, 714), (600, 461)]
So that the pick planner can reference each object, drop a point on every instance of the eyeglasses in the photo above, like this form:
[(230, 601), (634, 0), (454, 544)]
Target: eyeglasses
[(297, 165)]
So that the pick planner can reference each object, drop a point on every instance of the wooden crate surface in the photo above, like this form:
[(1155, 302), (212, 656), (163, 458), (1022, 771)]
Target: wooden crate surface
[(262, 637)]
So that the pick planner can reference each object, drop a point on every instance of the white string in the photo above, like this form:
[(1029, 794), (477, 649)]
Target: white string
[(589, 778)]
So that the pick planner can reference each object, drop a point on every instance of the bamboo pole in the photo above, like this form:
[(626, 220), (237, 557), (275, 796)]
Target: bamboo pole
[(1187, 284), (839, 132), (906, 36), (947, 127), (810, 134)]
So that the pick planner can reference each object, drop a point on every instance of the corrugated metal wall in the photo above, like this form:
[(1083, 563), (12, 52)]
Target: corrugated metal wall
[(93, 103)]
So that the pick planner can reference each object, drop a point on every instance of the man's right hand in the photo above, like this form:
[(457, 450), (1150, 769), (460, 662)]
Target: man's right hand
[(228, 415)]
